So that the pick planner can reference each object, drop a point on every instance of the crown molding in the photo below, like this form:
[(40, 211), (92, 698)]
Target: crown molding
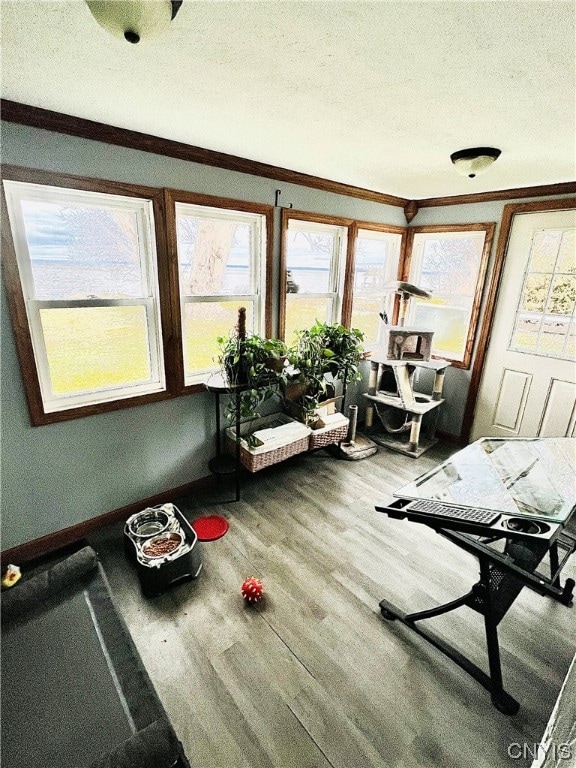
[(37, 117), (563, 188)]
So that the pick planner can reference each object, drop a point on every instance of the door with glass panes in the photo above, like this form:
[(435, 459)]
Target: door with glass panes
[(528, 383)]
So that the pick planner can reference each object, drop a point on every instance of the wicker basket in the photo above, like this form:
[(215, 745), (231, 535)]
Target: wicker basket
[(255, 459), (328, 435)]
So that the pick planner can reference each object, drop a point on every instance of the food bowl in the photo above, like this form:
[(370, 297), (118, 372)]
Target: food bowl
[(148, 523), (162, 545)]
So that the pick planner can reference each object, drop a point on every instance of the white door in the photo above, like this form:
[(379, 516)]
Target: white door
[(528, 382)]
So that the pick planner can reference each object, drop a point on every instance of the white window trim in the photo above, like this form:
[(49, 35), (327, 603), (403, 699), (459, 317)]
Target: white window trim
[(337, 263), (394, 240), (257, 282), (15, 192)]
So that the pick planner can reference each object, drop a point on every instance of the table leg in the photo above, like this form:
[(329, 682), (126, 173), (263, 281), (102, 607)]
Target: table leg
[(492, 682)]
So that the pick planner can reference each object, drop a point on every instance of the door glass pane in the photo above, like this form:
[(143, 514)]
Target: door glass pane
[(203, 323), (562, 295), (536, 292), (214, 256), (303, 312), (567, 253), (82, 251), (91, 348), (309, 260), (544, 323), (545, 247)]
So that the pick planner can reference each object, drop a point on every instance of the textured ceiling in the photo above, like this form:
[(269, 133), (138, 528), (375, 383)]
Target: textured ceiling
[(374, 94)]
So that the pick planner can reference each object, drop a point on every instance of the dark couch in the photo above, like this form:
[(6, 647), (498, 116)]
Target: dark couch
[(74, 691)]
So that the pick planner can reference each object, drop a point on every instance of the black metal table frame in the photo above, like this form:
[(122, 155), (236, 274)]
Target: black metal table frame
[(497, 571)]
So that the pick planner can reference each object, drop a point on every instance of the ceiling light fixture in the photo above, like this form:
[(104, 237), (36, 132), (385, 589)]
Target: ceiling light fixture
[(133, 20), (475, 161)]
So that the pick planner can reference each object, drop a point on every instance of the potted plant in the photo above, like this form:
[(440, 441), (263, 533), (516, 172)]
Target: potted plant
[(321, 356), (253, 363)]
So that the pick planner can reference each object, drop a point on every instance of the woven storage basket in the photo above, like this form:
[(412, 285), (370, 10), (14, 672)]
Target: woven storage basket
[(255, 459), (328, 435)]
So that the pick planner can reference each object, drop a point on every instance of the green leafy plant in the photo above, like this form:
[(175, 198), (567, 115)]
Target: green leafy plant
[(320, 356), (254, 364), (303, 375)]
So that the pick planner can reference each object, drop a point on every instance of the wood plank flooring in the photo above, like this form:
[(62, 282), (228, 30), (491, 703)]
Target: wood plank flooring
[(314, 677)]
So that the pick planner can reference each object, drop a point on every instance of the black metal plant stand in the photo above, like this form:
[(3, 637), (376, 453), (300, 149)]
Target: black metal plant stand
[(223, 464)]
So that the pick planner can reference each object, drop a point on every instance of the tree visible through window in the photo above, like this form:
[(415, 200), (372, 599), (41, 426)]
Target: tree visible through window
[(222, 267)]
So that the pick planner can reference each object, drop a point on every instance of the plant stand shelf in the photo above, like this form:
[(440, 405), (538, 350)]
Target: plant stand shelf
[(222, 463)]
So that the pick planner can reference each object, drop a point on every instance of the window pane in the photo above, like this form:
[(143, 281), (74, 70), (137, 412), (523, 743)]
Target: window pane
[(371, 272), (309, 260), (545, 247), (302, 312), (366, 317), (203, 323), (546, 306), (449, 323), (214, 256), (448, 265), (80, 251), (92, 348), (375, 265)]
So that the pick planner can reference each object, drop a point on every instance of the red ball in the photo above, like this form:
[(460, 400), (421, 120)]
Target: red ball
[(252, 590)]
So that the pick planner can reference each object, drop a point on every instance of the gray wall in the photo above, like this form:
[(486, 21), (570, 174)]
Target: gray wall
[(60, 475)]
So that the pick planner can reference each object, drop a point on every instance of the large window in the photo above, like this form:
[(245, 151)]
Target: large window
[(221, 267), (377, 252), (336, 271), (118, 292), (449, 261), (86, 263), (314, 257)]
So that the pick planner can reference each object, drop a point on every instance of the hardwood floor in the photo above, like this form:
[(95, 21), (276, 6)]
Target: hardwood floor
[(314, 677)]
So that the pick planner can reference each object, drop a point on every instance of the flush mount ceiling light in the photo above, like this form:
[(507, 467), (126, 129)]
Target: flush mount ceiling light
[(133, 20), (475, 161)]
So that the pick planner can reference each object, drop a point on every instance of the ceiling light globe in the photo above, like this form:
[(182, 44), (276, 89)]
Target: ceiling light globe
[(132, 20), (475, 161)]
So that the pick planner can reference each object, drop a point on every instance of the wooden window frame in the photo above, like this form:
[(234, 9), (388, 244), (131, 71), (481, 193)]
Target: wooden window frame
[(24, 347), (173, 196), (351, 266), (168, 284), (313, 218), (488, 228), (352, 226)]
